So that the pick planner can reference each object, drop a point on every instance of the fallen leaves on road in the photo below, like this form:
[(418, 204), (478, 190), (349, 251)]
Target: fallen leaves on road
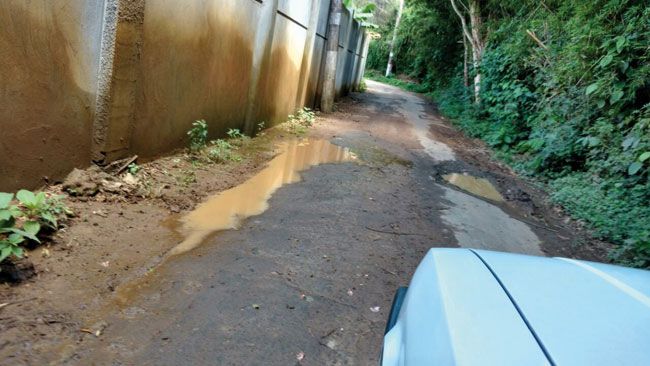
[(300, 356)]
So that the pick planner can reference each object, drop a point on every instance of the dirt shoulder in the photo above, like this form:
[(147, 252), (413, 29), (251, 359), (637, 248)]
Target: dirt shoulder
[(123, 225)]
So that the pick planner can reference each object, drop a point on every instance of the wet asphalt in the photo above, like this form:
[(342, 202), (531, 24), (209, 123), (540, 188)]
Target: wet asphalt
[(310, 281)]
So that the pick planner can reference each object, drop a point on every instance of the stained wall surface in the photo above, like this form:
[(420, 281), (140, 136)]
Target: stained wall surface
[(98, 80), (48, 73), (195, 64)]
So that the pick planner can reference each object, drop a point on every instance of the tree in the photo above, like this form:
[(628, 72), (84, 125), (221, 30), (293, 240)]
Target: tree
[(331, 56), (391, 54), (474, 35)]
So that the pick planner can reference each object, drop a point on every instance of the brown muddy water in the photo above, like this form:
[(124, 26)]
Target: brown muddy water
[(227, 209), (477, 186)]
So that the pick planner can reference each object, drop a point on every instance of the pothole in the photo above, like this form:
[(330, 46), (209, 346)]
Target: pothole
[(478, 186)]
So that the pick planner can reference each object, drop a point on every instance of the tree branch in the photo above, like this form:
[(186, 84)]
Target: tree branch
[(463, 22), (537, 40)]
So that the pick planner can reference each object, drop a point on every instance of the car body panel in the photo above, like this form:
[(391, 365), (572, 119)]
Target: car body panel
[(583, 313), (456, 313), (476, 307)]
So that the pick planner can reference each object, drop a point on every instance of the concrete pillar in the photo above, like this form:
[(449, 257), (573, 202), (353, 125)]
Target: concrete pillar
[(361, 69), (308, 53), (117, 79), (261, 51)]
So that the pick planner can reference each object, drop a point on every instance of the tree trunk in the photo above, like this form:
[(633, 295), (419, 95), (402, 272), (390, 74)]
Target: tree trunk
[(478, 45), (465, 61), (331, 57), (391, 55), (473, 34)]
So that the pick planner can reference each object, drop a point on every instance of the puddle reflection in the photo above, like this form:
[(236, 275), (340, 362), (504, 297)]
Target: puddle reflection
[(478, 186), (227, 209)]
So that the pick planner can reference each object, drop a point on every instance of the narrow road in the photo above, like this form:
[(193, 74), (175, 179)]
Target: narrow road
[(310, 280)]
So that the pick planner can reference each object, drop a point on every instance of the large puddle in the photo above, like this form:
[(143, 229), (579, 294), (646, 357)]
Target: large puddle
[(477, 186), (227, 209)]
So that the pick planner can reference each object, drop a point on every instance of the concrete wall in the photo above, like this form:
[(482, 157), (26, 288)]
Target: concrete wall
[(48, 77), (98, 80)]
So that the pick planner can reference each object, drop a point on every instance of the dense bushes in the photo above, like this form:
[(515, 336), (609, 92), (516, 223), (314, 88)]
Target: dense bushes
[(573, 111)]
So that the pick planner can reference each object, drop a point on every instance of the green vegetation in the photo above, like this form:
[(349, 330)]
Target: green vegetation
[(234, 133), (198, 135), (362, 14), (299, 123), (133, 168), (218, 151), (221, 151), (22, 221), (564, 97)]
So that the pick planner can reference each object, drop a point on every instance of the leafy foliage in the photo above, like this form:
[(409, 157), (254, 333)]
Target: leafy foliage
[(571, 108), (234, 133), (299, 123), (133, 168), (222, 151), (21, 221), (198, 135)]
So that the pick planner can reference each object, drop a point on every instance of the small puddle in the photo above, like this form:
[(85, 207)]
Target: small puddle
[(227, 209), (477, 186)]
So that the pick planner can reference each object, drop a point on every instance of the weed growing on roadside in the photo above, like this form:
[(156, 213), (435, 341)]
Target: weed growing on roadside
[(198, 135), (260, 128), (362, 86), (300, 122), (12, 233), (133, 168), (221, 151), (23, 221), (234, 133), (186, 177), (42, 208)]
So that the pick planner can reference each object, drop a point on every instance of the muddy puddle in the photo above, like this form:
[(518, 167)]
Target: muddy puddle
[(227, 209), (477, 186)]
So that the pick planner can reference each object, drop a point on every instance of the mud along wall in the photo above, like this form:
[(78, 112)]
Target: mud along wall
[(88, 80)]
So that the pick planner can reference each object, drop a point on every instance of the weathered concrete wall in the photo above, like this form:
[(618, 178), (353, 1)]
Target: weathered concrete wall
[(196, 63), (97, 80), (48, 78)]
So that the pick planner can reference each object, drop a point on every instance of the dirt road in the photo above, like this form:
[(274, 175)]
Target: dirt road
[(310, 280)]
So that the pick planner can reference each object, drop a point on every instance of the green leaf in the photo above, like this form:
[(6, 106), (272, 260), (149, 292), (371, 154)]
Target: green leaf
[(606, 60), (620, 43), (616, 96), (20, 232), (40, 199), (368, 8), (31, 227), (634, 168), (645, 156), (4, 252), (5, 199), (26, 197), (631, 141), (49, 218), (17, 251), (600, 103), (15, 239), (5, 215), (591, 88)]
